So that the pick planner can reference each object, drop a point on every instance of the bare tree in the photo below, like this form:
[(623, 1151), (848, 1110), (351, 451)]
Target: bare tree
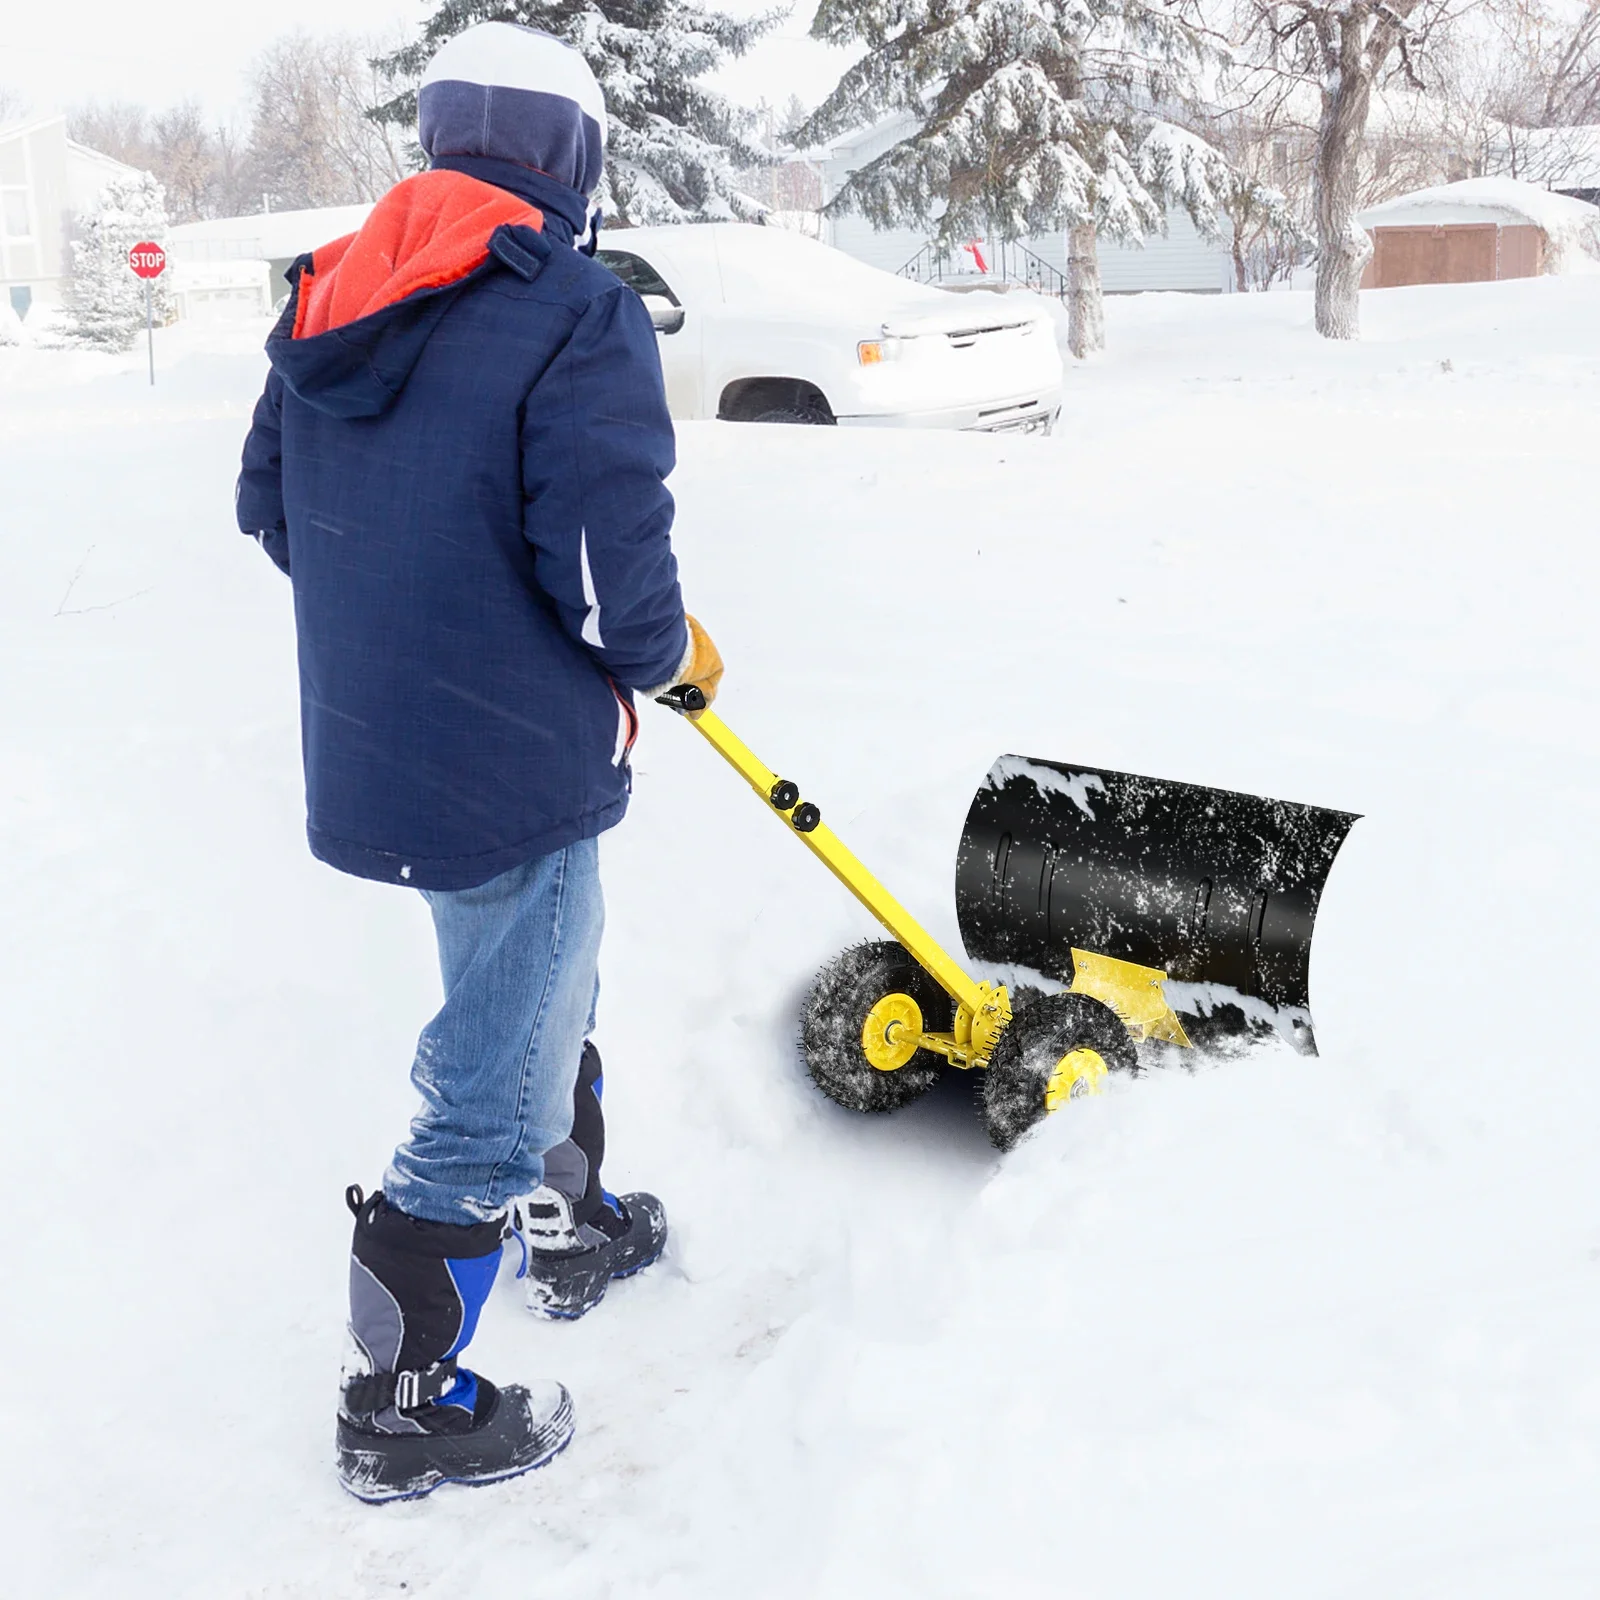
[(116, 128), (13, 104), (1262, 188), (184, 155), (1535, 93), (1345, 51), (311, 141), (1559, 52)]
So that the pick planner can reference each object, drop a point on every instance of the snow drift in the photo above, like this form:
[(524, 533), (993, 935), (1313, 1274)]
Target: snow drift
[(1289, 1327)]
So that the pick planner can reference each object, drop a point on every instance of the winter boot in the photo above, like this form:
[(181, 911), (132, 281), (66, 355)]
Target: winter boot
[(568, 1264), (575, 1236), (410, 1418)]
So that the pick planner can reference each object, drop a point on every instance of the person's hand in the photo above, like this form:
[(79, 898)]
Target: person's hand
[(704, 670)]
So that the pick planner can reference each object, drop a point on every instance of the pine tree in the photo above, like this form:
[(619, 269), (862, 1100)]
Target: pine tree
[(674, 146), (105, 301), (1030, 116)]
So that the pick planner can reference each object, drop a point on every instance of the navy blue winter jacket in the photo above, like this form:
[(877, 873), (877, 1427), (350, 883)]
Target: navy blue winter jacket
[(459, 460)]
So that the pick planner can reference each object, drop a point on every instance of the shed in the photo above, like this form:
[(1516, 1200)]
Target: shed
[(1477, 231)]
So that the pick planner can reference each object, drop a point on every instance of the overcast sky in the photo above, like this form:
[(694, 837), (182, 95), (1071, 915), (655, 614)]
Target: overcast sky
[(59, 55)]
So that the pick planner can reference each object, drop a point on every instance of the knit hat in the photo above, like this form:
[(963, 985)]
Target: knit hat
[(514, 94)]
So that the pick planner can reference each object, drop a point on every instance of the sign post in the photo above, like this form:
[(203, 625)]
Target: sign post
[(148, 261)]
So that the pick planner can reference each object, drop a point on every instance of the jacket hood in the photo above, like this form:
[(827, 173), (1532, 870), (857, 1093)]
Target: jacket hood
[(364, 306), (516, 94)]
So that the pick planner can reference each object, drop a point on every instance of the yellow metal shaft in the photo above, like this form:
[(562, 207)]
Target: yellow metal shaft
[(826, 845)]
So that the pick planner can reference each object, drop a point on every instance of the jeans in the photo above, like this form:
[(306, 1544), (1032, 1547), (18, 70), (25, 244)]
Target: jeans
[(497, 1066)]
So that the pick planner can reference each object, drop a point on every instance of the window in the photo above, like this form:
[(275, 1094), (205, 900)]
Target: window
[(14, 214), (636, 272)]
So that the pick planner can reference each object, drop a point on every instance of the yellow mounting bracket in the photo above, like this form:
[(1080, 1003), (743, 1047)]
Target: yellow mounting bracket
[(982, 1009), (1135, 993)]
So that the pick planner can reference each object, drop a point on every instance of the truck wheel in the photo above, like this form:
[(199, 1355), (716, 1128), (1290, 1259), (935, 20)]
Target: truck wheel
[(860, 1001), (807, 416), (1061, 1047)]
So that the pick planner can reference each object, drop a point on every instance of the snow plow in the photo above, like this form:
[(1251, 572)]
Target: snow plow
[(1136, 918)]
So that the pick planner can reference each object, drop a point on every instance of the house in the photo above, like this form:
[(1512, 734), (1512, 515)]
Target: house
[(1179, 260), (1476, 231), (275, 237), (46, 179), (1564, 159)]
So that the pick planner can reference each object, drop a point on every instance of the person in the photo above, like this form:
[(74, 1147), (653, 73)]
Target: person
[(459, 460)]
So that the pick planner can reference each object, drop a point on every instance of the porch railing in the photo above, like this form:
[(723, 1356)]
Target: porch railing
[(1006, 262)]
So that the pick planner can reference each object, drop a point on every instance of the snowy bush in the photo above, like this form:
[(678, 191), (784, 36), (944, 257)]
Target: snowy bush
[(10, 325), (105, 301)]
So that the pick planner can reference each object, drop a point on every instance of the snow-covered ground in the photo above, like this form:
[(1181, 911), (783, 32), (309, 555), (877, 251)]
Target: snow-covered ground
[(1285, 1328)]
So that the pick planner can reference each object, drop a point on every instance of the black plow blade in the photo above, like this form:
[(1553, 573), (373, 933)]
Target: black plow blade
[(1219, 890)]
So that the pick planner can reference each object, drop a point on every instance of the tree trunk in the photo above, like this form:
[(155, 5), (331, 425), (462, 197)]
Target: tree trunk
[(1241, 277), (1342, 246), (1086, 311)]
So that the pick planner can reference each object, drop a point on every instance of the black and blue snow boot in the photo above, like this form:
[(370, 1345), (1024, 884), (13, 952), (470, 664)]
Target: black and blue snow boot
[(576, 1237), (569, 1264), (411, 1417)]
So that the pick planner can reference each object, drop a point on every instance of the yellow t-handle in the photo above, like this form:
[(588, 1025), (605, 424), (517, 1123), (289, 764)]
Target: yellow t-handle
[(805, 820)]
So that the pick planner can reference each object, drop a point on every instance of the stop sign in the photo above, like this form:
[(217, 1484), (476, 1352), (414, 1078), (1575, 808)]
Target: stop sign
[(147, 260)]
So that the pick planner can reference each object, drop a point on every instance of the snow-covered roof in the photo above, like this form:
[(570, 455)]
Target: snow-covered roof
[(1483, 200), (267, 235), (884, 130), (14, 130), (81, 152), (98, 158)]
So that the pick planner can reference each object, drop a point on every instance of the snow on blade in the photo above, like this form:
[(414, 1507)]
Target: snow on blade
[(1076, 786)]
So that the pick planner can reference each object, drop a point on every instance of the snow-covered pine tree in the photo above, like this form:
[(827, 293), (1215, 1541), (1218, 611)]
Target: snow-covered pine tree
[(674, 145), (105, 301), (1030, 115)]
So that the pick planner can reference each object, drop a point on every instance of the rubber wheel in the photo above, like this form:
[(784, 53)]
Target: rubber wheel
[(835, 1014), (1036, 1039), (807, 416)]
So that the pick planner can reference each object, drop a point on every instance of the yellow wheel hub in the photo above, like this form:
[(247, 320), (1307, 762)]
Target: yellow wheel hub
[(1077, 1073), (889, 1035)]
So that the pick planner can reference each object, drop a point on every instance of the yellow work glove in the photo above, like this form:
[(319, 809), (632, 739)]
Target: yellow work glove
[(704, 668)]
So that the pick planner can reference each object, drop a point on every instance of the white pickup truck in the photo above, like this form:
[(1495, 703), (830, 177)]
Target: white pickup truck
[(763, 325)]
